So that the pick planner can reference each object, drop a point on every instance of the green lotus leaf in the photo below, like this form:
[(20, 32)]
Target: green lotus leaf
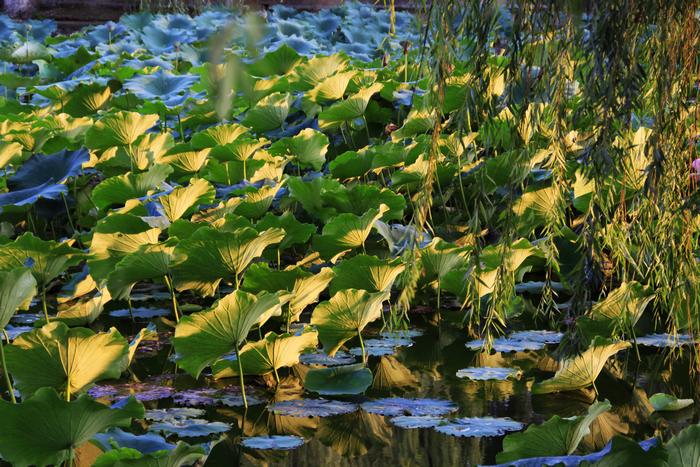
[(346, 232), (625, 451), (624, 304), (668, 403), (269, 113), (441, 257), (217, 136), (10, 152), (418, 121), (28, 51), (351, 164), (45, 428), (116, 191), (212, 255), (183, 454), (309, 194), (516, 262), (140, 155), (184, 160), (303, 288), (268, 354), (537, 208), (86, 100), (555, 437), (331, 88), (295, 232), (277, 62), (70, 358), (118, 129), (583, 189), (256, 203), (17, 288), (339, 380), (367, 273), (360, 198), (183, 200), (683, 449), (344, 316), (582, 370), (241, 149), (48, 259), (204, 337), (232, 172), (148, 262), (307, 149), (114, 237), (83, 311), (307, 75), (345, 111)]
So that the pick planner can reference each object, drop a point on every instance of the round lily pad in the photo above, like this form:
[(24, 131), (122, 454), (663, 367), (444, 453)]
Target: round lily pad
[(401, 333), (479, 427), (281, 442), (27, 318), (190, 427), (141, 391), (488, 373), (141, 313), (14, 331), (229, 396), (395, 406), (665, 340), (421, 421), (311, 408), (543, 336), (320, 358), (173, 413), (382, 347), (503, 344)]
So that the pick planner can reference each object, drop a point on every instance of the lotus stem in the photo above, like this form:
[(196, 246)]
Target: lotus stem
[(240, 376), (43, 303), (173, 297), (68, 387), (277, 376), (8, 381), (362, 347), (69, 462), (366, 128), (70, 219), (131, 308)]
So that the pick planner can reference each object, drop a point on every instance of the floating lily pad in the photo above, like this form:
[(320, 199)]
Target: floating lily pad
[(668, 403), (665, 340), (281, 442), (173, 413), (382, 347), (229, 396), (321, 358), (503, 344), (543, 336), (190, 427), (339, 380), (395, 406), (141, 391), (14, 331), (479, 427), (140, 313), (488, 373), (27, 318), (419, 421), (150, 442), (311, 408), (401, 334)]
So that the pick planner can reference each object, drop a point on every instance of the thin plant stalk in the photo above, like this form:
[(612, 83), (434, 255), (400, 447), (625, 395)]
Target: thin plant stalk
[(8, 381), (173, 297), (362, 347), (240, 376)]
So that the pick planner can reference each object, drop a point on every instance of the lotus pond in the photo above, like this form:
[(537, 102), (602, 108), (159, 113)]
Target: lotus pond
[(462, 235)]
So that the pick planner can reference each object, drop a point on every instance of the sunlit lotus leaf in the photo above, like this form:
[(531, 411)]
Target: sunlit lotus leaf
[(339, 380), (183, 200), (140, 391), (367, 273), (148, 262), (492, 258), (582, 370), (486, 373), (17, 288), (478, 427), (625, 304), (555, 437), (86, 100), (212, 255), (116, 191), (202, 338), (114, 237), (184, 160), (321, 358), (118, 129), (269, 113), (395, 406), (307, 75), (190, 427), (145, 444), (392, 374), (9, 152), (344, 316), (232, 172), (217, 136), (538, 207), (84, 310), (230, 396), (182, 454), (163, 86), (268, 354), (295, 232), (418, 121), (307, 149), (346, 232), (441, 257), (69, 358), (256, 203), (665, 340), (347, 110), (331, 88), (147, 149), (666, 402), (47, 259), (29, 51), (277, 62), (311, 408), (280, 442), (43, 429), (303, 287), (242, 149)]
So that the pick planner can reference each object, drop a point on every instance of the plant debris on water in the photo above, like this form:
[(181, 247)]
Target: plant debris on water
[(299, 237)]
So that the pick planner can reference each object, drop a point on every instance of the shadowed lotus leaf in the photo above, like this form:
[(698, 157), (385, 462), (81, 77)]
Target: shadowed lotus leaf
[(339, 380), (17, 288), (395, 406), (667, 402), (190, 427), (311, 408), (479, 427), (182, 454), (282, 442), (322, 358)]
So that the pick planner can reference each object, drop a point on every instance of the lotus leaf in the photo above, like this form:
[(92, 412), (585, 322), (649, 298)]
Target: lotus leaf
[(339, 380)]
